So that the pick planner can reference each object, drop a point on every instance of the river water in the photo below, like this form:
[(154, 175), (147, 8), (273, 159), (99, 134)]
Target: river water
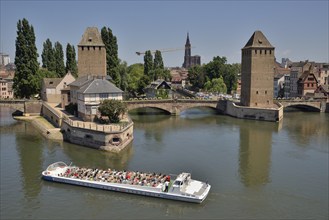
[(258, 170)]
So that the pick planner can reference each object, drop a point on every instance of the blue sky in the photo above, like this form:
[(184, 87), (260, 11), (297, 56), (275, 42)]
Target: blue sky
[(297, 29)]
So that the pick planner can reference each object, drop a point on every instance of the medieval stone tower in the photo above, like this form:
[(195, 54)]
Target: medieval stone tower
[(257, 71), (91, 54), (188, 59)]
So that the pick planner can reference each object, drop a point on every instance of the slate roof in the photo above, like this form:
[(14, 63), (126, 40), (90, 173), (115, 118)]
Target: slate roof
[(157, 83), (99, 86), (258, 39), (91, 37), (80, 81), (51, 82)]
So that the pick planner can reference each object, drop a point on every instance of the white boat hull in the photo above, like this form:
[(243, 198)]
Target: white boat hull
[(132, 189)]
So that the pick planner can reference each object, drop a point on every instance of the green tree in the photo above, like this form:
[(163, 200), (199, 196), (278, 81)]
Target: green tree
[(142, 83), (113, 109), (48, 58), (112, 59), (122, 70), (59, 60), (135, 73), (158, 61), (215, 68), (216, 85), (219, 68), (26, 61), (196, 77), (148, 64), (71, 62)]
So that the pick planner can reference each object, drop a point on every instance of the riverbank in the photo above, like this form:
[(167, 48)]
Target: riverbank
[(47, 130)]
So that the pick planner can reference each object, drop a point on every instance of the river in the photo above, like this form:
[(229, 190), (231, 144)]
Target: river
[(258, 170)]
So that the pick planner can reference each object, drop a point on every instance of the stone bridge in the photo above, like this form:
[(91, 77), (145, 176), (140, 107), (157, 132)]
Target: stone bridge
[(318, 105), (174, 107), (32, 107)]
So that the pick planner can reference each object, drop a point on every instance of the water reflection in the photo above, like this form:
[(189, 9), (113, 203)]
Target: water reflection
[(304, 133), (88, 157), (255, 152), (30, 153)]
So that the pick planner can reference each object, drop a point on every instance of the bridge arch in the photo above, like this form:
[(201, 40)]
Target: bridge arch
[(303, 106), (141, 105), (150, 107), (185, 108)]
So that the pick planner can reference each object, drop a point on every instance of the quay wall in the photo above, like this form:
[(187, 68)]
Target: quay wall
[(51, 115), (262, 114), (103, 137)]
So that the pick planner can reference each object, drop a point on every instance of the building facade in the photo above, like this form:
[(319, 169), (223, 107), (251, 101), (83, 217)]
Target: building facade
[(91, 54), (257, 70), (51, 87), (307, 84), (190, 60), (92, 93)]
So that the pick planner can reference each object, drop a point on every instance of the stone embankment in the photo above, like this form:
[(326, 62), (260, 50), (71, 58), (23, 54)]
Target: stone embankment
[(45, 127)]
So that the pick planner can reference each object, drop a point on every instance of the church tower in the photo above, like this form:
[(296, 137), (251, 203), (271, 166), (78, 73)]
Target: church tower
[(257, 71), (91, 54), (187, 56)]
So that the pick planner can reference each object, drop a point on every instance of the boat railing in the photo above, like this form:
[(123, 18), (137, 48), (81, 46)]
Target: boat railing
[(54, 166)]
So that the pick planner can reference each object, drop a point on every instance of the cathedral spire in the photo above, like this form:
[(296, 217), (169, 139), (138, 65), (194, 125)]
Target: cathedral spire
[(188, 40)]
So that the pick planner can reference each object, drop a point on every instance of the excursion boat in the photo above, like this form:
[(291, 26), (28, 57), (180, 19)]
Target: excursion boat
[(181, 188)]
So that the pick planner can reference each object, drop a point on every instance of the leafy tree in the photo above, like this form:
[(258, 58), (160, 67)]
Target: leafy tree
[(216, 85), (48, 58), (122, 71), (196, 77), (142, 83), (219, 68), (112, 59), (148, 64), (135, 73), (71, 62), (59, 59), (113, 109), (158, 62), (230, 77), (215, 68), (162, 93), (26, 62)]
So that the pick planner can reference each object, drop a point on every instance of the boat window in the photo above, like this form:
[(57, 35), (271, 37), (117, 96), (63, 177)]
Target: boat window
[(177, 183)]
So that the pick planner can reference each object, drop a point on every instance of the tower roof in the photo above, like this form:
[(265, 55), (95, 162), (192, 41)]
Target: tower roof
[(91, 37), (258, 39), (188, 40)]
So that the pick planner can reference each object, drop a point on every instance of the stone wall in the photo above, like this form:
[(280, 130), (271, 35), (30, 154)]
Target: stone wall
[(263, 114), (51, 115), (32, 107), (109, 141)]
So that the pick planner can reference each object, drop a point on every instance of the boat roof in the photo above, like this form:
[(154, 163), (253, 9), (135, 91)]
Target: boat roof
[(182, 176)]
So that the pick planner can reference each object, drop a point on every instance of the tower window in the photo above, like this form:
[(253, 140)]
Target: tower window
[(99, 48), (265, 92), (260, 51), (255, 51), (265, 51), (88, 48), (93, 47), (82, 48), (256, 92), (270, 51)]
